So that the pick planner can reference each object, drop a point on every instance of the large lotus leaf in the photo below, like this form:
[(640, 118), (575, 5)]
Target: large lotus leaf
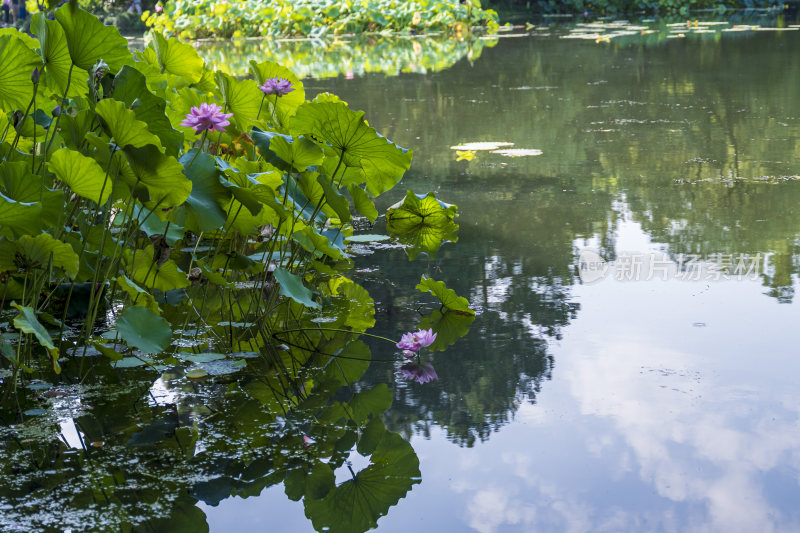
[(17, 62), (151, 225), (17, 182), (89, 40), (144, 271), (27, 322), (335, 199), (39, 250), (55, 56), (292, 287), (142, 328), (75, 127), (451, 301), (204, 205), (423, 222), (241, 97), (381, 163), (123, 126), (19, 218), (316, 243), (138, 295), (287, 104), (177, 58), (349, 363), (286, 152), (82, 174), (362, 202), (358, 503), (130, 87), (160, 174)]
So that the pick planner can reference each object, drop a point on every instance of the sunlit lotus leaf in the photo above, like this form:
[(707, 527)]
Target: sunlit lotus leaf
[(358, 503), (17, 62), (335, 199), (360, 312), (130, 87), (55, 56), (380, 164), (241, 97), (291, 286), (316, 243), (362, 202), (82, 174), (89, 40), (44, 248), (123, 126), (287, 104), (27, 322), (448, 297), (177, 58), (142, 328), (17, 182)]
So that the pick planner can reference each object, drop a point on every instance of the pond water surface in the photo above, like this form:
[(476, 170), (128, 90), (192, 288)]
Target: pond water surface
[(661, 397)]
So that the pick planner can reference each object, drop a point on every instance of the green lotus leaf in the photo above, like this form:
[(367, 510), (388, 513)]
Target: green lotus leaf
[(75, 127), (142, 328), (241, 97), (380, 163), (160, 174), (286, 152), (40, 250), (123, 126), (138, 295), (292, 287), (55, 56), (448, 297), (287, 104), (362, 202), (358, 503), (359, 313), (335, 199), (82, 174), (33, 125), (130, 87), (253, 194), (204, 205), (177, 58), (422, 222), (89, 40), (19, 218), (349, 363), (17, 62), (316, 243), (17, 182), (143, 269), (27, 322)]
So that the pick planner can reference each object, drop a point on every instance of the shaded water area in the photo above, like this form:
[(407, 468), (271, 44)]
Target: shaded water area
[(660, 397)]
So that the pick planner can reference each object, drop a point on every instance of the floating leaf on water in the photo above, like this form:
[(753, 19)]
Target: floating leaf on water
[(35, 412), (518, 152), (483, 145), (199, 357), (197, 373), (131, 362), (142, 328), (367, 238)]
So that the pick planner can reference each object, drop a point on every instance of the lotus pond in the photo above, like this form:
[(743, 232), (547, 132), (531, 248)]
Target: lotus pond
[(627, 239)]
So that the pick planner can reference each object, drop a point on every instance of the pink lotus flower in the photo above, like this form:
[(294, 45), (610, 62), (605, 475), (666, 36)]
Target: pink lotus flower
[(419, 372), (415, 340), (159, 8), (207, 117), (276, 86)]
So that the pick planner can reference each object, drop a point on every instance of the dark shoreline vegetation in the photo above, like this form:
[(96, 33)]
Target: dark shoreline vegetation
[(177, 322)]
